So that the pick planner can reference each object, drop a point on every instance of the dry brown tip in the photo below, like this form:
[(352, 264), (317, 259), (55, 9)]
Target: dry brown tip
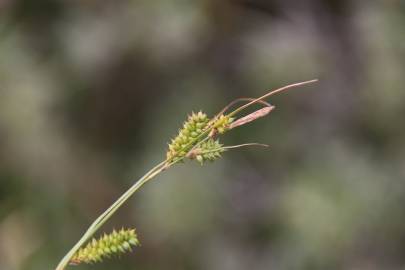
[(251, 117)]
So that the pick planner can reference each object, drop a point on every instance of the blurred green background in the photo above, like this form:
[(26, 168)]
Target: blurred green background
[(91, 92)]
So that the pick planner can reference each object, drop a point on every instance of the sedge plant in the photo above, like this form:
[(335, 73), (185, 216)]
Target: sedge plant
[(197, 139)]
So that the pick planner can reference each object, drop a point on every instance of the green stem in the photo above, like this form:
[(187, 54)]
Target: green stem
[(118, 203), (111, 210)]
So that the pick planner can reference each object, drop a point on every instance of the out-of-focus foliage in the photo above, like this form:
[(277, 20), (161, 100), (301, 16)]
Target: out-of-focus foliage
[(91, 92)]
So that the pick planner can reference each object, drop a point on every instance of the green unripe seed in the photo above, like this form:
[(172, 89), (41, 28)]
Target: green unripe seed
[(97, 250)]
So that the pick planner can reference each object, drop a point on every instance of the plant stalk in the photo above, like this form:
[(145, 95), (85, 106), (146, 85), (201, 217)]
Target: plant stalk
[(105, 216), (111, 210)]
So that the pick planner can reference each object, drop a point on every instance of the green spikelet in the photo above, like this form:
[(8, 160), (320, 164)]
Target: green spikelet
[(207, 151), (222, 124), (115, 243), (192, 128)]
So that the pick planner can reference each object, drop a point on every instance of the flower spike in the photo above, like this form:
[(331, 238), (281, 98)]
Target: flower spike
[(115, 243), (192, 128)]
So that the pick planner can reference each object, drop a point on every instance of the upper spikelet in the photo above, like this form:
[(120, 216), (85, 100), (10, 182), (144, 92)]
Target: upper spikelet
[(192, 128), (107, 245), (222, 124)]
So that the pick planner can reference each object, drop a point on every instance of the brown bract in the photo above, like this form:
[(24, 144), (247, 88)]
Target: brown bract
[(252, 117)]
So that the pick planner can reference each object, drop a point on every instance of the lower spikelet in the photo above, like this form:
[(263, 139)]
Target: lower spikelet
[(207, 151), (106, 246)]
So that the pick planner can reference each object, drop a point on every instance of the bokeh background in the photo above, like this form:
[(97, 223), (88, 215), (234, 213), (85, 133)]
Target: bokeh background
[(91, 92)]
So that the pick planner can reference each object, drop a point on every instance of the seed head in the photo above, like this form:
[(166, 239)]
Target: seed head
[(207, 151), (221, 125), (106, 246), (183, 142)]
